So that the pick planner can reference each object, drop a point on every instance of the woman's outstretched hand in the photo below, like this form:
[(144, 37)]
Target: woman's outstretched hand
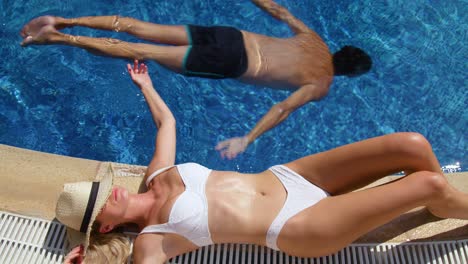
[(74, 256), (139, 74)]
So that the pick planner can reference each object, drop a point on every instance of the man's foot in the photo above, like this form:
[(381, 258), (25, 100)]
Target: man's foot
[(39, 30)]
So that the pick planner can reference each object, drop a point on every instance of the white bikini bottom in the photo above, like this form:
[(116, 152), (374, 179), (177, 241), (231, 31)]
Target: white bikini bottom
[(300, 195)]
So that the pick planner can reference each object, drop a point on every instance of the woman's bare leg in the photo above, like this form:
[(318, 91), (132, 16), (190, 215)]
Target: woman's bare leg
[(337, 221), (165, 34), (168, 56), (353, 166)]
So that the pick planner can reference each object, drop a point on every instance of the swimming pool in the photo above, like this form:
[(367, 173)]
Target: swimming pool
[(66, 101)]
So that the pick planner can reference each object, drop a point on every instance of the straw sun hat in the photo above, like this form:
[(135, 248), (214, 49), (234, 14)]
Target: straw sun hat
[(78, 206)]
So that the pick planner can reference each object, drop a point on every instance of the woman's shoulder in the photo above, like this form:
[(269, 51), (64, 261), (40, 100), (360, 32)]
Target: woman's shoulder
[(154, 172)]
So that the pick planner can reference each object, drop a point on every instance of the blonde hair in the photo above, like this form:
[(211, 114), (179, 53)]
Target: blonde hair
[(112, 247)]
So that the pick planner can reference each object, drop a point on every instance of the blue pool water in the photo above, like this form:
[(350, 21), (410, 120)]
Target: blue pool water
[(66, 101)]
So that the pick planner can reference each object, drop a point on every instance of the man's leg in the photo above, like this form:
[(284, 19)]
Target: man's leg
[(165, 34), (168, 56)]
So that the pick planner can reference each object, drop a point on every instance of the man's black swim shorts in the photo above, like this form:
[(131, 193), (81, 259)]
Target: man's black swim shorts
[(215, 52)]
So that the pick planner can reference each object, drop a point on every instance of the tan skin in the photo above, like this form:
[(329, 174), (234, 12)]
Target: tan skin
[(302, 63), (243, 206)]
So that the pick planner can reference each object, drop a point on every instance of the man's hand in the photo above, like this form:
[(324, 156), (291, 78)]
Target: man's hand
[(232, 147), (74, 256), (270, 7), (259, 2), (281, 13), (263, 3), (139, 74)]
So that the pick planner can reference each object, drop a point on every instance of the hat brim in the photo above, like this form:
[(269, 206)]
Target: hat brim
[(75, 238)]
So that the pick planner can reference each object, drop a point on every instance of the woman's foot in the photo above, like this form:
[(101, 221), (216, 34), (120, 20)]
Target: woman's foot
[(39, 30)]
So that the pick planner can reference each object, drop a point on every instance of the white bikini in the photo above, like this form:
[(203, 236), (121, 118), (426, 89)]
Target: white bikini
[(300, 195), (189, 214)]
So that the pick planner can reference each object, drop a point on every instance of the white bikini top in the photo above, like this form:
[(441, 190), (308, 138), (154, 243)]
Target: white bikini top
[(189, 214)]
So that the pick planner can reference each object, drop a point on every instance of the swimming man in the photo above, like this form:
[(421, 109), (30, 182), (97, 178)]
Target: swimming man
[(302, 63)]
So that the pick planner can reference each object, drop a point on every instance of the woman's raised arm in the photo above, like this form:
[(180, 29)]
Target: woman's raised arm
[(164, 154)]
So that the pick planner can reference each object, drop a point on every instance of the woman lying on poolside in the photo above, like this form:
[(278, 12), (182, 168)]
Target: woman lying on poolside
[(305, 208)]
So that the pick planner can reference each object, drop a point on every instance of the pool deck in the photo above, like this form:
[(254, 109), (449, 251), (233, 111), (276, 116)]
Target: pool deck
[(31, 182)]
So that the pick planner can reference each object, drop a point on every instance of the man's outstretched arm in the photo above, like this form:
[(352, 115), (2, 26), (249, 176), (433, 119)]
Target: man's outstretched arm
[(281, 13), (278, 113)]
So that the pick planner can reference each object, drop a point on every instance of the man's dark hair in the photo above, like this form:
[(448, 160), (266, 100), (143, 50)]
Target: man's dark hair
[(351, 61)]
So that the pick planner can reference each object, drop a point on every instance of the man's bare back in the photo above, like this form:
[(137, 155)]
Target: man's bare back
[(287, 63)]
